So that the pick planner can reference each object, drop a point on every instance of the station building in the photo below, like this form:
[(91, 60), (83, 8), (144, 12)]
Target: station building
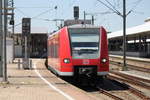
[(37, 40), (137, 40), (37, 43)]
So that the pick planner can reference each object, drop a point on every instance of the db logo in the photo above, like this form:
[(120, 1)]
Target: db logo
[(86, 62)]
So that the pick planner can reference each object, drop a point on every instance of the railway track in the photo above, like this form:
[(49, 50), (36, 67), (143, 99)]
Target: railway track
[(132, 80), (131, 77), (134, 64), (109, 94), (130, 89), (126, 93), (138, 93), (133, 67)]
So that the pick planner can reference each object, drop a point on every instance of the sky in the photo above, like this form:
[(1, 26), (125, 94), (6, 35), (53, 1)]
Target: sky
[(42, 12)]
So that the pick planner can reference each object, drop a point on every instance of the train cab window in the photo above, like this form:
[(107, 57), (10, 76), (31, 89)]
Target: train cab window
[(84, 43)]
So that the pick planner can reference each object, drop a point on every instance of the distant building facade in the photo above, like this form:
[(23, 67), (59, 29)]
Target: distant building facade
[(37, 41), (78, 21)]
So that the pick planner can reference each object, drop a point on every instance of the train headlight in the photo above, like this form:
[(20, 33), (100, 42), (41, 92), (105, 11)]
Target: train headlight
[(104, 60), (66, 60)]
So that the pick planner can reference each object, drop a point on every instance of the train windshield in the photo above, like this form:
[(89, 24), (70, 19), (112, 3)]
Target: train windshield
[(84, 43)]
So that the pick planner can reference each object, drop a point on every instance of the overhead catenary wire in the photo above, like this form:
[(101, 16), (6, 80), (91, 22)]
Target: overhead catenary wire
[(42, 13), (117, 12), (134, 7), (48, 19), (33, 16), (114, 1), (16, 25), (21, 12), (112, 6), (32, 7), (118, 3)]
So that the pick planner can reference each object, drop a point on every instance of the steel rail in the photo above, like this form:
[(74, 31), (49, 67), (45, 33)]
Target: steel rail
[(147, 70), (134, 82), (130, 76), (138, 93), (131, 89), (109, 94)]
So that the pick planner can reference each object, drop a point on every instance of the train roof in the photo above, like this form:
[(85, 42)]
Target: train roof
[(140, 29), (83, 26), (76, 26)]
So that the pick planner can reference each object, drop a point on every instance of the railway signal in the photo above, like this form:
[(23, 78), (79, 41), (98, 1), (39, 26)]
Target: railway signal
[(76, 12), (26, 26)]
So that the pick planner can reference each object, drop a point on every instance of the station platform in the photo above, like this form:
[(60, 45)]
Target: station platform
[(135, 61), (132, 58), (138, 74), (38, 84)]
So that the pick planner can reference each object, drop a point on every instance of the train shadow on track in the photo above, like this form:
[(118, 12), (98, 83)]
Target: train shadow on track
[(112, 85), (106, 84)]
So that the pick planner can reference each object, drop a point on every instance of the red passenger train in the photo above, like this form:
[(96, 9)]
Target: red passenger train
[(78, 50)]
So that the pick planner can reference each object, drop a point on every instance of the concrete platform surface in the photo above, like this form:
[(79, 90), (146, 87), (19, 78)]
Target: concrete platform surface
[(38, 84)]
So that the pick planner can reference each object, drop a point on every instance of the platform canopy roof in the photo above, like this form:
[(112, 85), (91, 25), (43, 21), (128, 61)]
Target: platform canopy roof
[(34, 30), (140, 29)]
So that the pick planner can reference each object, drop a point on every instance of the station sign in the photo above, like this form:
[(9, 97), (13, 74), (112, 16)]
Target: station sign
[(26, 26)]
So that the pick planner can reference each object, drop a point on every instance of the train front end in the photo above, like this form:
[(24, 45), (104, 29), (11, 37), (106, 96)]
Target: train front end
[(89, 52)]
